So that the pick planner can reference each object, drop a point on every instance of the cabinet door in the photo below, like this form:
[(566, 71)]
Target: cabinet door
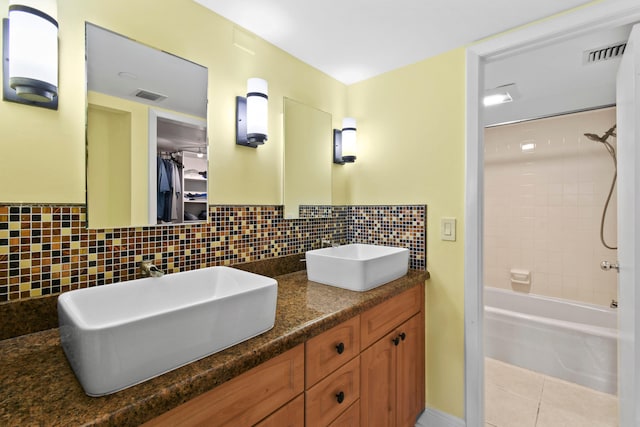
[(392, 392), (410, 372), (378, 383)]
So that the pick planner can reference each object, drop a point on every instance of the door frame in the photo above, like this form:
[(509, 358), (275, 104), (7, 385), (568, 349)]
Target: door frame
[(599, 16), (628, 99)]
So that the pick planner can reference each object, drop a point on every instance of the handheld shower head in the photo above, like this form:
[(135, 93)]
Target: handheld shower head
[(612, 152), (610, 132), (603, 138), (593, 137)]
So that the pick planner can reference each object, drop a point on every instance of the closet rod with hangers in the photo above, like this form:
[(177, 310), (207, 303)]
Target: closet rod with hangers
[(170, 156)]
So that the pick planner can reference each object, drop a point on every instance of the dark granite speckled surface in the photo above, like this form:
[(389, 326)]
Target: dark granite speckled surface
[(37, 386), (28, 316)]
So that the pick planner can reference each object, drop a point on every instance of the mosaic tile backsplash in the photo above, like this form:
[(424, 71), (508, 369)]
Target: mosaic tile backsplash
[(46, 250)]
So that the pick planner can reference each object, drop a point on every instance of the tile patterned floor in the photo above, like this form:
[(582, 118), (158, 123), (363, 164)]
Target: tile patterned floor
[(516, 397)]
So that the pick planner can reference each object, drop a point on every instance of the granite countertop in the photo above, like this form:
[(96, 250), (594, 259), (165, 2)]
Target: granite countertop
[(37, 386)]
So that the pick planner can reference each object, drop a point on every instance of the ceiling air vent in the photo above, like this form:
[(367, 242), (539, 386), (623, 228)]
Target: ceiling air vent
[(149, 96), (604, 53)]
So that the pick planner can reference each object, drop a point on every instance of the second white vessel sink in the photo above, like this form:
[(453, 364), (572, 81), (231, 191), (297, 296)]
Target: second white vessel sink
[(357, 267), (119, 335)]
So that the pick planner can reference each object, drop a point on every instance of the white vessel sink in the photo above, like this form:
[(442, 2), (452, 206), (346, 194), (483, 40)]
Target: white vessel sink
[(357, 267), (119, 335)]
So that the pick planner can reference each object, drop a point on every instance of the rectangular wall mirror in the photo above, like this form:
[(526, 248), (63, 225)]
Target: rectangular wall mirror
[(307, 161), (147, 150)]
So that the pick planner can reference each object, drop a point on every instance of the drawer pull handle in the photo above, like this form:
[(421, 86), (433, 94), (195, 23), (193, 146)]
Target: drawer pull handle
[(340, 397), (396, 341), (340, 348), (403, 336)]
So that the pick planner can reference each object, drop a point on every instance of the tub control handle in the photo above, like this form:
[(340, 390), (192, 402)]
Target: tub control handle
[(606, 266)]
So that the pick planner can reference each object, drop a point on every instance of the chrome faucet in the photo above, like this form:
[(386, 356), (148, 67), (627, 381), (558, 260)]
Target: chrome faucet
[(147, 269), (326, 243)]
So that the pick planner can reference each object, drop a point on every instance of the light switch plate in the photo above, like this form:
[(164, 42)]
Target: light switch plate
[(448, 229)]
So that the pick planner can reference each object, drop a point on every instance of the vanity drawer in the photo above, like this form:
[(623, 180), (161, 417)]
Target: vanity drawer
[(331, 349), (245, 399), (380, 320), (349, 418), (333, 395), (290, 415)]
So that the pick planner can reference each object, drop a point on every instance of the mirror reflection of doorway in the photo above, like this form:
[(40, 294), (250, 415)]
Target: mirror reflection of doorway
[(178, 188)]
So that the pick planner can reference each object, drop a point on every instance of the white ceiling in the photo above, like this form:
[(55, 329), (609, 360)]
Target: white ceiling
[(352, 40), (119, 66), (550, 80), (554, 79), (180, 136)]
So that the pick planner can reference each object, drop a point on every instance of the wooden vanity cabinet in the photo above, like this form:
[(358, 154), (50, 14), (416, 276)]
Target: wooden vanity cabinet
[(392, 384), (392, 367), (368, 370)]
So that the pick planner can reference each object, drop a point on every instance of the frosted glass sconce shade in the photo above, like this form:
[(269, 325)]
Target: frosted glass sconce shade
[(252, 114), (344, 142), (349, 139), (257, 110), (30, 47)]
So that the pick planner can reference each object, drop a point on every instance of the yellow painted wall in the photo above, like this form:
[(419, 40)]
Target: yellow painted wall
[(118, 173), (109, 139), (46, 148), (411, 150), (410, 145)]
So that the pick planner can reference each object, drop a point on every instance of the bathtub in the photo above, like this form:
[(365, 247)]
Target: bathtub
[(572, 341)]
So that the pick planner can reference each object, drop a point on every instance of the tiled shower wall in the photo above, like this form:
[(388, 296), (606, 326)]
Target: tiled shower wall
[(46, 250), (543, 207)]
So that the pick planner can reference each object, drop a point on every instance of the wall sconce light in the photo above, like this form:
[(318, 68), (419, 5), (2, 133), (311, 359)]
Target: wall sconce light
[(252, 114), (30, 57), (344, 142)]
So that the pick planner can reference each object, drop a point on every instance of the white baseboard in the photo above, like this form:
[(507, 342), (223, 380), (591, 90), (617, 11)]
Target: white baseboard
[(434, 418)]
